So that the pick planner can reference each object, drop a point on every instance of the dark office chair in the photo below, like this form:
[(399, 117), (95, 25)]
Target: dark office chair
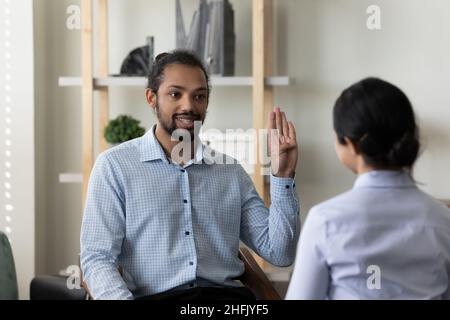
[(54, 287)]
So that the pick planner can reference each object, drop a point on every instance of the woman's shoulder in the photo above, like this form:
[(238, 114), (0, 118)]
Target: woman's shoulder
[(359, 207), (335, 204), (434, 211)]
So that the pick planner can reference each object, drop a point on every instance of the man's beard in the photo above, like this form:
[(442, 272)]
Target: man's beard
[(170, 126)]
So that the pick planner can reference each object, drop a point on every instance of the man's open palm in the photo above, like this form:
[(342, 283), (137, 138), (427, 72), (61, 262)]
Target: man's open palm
[(282, 144)]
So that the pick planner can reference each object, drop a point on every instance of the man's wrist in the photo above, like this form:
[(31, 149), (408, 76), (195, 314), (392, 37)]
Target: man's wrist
[(288, 174), (282, 188)]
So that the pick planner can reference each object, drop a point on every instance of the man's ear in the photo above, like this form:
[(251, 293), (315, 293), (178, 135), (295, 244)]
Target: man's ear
[(354, 149), (151, 97)]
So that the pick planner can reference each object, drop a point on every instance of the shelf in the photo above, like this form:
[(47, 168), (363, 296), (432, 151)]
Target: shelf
[(71, 178), (142, 81)]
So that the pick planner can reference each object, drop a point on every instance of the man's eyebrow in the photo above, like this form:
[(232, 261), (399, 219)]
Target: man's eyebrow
[(183, 88)]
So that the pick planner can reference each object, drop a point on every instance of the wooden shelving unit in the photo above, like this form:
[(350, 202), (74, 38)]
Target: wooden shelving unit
[(141, 82), (261, 82)]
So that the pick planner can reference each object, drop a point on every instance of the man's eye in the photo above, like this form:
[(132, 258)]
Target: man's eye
[(200, 97), (174, 94)]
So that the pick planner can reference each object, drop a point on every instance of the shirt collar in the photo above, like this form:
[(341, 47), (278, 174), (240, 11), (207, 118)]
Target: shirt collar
[(384, 179), (152, 150)]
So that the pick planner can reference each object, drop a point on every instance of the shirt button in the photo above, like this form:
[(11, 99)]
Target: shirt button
[(185, 201), (187, 233), (191, 263), (288, 187), (183, 170)]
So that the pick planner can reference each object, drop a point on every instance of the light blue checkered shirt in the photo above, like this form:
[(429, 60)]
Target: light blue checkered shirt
[(172, 227)]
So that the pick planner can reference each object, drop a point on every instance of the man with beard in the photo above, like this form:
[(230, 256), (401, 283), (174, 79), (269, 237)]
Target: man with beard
[(172, 223)]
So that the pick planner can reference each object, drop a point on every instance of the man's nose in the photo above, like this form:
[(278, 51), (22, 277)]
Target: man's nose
[(188, 103)]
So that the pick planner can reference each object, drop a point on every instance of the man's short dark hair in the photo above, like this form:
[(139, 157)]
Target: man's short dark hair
[(183, 57)]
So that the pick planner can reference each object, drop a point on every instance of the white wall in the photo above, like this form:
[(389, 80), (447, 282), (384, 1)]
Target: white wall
[(326, 46), (58, 137), (17, 204), (323, 44)]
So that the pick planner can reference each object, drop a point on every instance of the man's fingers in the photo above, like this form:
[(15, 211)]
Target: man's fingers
[(285, 124), (270, 126), (279, 121), (271, 122), (292, 133)]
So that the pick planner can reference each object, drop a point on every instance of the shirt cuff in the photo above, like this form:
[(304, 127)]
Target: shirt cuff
[(282, 187)]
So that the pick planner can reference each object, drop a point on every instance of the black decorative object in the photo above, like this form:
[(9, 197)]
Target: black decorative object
[(138, 63)]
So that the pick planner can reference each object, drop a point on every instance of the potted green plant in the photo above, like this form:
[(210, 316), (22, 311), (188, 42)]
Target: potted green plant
[(123, 128)]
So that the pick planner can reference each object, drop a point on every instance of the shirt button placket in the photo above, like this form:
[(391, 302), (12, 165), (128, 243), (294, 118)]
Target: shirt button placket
[(188, 217)]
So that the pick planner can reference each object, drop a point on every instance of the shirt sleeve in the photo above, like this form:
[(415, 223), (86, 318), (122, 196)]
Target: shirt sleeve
[(102, 233), (271, 233), (310, 278)]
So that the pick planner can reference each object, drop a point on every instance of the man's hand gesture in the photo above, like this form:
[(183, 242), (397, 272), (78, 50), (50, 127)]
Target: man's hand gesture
[(282, 145)]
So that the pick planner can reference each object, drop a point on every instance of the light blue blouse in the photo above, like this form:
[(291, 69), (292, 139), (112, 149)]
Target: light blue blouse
[(384, 239)]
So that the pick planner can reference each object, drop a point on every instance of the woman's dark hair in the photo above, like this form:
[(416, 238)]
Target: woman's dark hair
[(379, 119), (183, 57)]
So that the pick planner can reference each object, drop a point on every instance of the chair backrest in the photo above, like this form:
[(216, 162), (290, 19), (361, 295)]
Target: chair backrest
[(253, 278), (8, 279)]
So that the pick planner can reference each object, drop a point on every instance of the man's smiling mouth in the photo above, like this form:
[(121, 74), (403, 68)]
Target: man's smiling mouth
[(186, 121)]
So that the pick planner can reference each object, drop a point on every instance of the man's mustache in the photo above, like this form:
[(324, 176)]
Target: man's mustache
[(192, 115)]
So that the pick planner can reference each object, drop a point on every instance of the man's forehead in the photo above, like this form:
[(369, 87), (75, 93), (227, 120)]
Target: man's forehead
[(179, 87)]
